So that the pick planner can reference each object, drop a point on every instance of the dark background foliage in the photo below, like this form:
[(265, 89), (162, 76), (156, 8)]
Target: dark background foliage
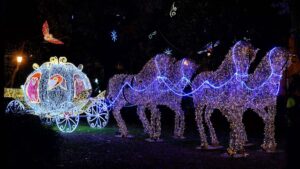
[(85, 28)]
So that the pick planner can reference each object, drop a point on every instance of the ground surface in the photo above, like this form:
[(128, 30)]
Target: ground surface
[(88, 148)]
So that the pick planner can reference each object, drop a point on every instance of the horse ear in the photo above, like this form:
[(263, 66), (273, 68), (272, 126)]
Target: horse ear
[(80, 66), (256, 50)]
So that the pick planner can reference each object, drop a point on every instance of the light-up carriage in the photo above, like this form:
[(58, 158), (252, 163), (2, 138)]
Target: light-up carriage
[(58, 91)]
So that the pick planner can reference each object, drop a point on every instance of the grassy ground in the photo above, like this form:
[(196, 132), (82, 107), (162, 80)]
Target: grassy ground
[(98, 148)]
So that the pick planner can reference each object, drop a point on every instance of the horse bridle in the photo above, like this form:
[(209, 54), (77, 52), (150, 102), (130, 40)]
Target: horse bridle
[(123, 82)]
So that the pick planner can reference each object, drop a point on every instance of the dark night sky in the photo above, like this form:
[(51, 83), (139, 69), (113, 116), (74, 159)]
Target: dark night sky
[(87, 36)]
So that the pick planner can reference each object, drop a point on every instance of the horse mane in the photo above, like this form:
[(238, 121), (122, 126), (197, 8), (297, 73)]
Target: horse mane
[(174, 74), (225, 70), (160, 65)]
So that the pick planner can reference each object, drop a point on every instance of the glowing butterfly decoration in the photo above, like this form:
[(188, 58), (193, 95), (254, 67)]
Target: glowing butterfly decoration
[(209, 47), (49, 37), (246, 39), (168, 51), (173, 10), (113, 35), (150, 36)]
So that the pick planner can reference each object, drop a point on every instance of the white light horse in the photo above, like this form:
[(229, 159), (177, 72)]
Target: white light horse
[(261, 90), (258, 92), (160, 82), (213, 89)]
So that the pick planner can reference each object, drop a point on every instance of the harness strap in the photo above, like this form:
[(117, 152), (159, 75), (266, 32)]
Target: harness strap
[(125, 88)]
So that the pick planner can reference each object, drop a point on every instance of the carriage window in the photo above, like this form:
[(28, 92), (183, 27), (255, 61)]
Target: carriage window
[(32, 88), (79, 86)]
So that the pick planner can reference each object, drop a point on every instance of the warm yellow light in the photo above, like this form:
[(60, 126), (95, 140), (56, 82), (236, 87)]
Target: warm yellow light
[(19, 59)]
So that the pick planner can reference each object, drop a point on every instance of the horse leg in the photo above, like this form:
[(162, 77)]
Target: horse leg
[(245, 137), (207, 115), (199, 121), (236, 143), (155, 123), (176, 127), (142, 116), (269, 143), (181, 125), (179, 122), (121, 123)]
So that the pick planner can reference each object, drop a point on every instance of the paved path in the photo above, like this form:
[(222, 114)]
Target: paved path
[(104, 151)]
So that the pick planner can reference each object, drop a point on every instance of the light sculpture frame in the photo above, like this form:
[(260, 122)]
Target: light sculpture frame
[(232, 87)]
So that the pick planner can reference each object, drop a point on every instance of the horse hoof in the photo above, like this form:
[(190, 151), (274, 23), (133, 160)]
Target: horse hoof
[(201, 147), (237, 155), (153, 140), (123, 136), (118, 135), (209, 147), (179, 137), (149, 140), (270, 150), (129, 136), (214, 147), (159, 140), (248, 144)]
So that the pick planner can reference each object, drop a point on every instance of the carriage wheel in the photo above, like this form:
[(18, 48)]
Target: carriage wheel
[(67, 122), (97, 114), (15, 106)]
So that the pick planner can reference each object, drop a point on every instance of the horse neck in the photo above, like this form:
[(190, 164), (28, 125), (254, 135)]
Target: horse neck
[(148, 72), (227, 66), (261, 73), (177, 77), (224, 72)]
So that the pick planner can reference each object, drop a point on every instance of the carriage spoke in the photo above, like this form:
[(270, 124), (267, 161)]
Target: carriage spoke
[(97, 114), (67, 123)]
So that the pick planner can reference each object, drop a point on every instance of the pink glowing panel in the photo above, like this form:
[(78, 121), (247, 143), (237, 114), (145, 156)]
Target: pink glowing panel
[(32, 89), (78, 85)]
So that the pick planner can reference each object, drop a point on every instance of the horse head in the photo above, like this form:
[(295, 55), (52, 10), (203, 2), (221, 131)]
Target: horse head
[(115, 87), (279, 60), (243, 54)]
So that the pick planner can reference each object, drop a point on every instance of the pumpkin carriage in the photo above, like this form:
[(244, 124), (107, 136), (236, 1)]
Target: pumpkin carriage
[(58, 91)]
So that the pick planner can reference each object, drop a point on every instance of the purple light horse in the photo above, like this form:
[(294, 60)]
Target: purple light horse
[(160, 82)]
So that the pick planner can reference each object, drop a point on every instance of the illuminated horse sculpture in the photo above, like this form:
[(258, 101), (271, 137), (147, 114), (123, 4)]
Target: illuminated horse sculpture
[(261, 90), (160, 82), (212, 90), (257, 91)]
